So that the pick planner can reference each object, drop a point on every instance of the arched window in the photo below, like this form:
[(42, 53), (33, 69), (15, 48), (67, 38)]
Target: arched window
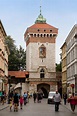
[(34, 35), (41, 35), (44, 35), (42, 73), (37, 35)]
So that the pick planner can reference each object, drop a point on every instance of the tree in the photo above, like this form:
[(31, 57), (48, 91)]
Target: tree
[(59, 67), (17, 57), (21, 55)]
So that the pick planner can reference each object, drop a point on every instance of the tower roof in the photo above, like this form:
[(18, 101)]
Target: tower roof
[(41, 26), (40, 18), (38, 26)]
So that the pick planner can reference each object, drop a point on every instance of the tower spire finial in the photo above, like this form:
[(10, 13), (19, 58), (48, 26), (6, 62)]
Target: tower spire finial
[(40, 18), (40, 10)]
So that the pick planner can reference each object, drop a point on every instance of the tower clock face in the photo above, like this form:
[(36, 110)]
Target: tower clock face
[(42, 52)]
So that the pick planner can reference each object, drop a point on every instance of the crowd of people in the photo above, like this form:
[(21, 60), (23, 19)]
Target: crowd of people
[(2, 97), (18, 100), (15, 99), (37, 96)]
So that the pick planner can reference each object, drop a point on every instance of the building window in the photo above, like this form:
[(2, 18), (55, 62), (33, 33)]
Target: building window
[(42, 73), (37, 35), (34, 35), (38, 30), (41, 35), (50, 35), (50, 30), (42, 52), (44, 35)]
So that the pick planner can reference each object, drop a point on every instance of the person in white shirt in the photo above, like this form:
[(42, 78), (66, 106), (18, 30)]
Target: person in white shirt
[(57, 99)]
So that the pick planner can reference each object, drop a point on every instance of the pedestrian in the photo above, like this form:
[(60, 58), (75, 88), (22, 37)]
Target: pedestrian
[(0, 96), (25, 98), (28, 96), (21, 101), (3, 98), (11, 103), (57, 99), (73, 101), (16, 102), (39, 97), (34, 96), (65, 97)]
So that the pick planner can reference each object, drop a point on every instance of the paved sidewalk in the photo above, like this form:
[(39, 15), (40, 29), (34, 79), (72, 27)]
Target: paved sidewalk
[(68, 106), (3, 106)]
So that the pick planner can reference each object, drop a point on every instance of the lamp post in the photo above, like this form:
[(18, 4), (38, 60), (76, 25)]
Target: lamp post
[(9, 78)]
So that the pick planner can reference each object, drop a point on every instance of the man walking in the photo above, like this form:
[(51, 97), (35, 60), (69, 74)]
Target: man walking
[(65, 98), (57, 99), (25, 98)]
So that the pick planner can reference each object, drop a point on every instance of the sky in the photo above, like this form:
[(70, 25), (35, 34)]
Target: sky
[(18, 15)]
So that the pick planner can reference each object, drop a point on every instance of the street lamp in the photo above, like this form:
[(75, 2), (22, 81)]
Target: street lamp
[(9, 78)]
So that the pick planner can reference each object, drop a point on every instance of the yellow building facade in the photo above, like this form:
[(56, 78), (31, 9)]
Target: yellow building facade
[(64, 69)]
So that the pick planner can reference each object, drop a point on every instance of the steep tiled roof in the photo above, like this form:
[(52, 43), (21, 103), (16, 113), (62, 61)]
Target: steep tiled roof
[(42, 25), (18, 74)]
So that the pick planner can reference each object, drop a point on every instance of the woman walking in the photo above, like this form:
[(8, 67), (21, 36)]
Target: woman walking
[(21, 102), (73, 101)]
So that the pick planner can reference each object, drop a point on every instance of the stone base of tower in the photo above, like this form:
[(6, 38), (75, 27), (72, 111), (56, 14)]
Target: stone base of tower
[(43, 84)]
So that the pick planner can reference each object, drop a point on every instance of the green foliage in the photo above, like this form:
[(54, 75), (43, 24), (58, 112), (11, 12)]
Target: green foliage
[(59, 67), (17, 57)]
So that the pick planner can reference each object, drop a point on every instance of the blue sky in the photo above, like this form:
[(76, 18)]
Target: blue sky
[(17, 15)]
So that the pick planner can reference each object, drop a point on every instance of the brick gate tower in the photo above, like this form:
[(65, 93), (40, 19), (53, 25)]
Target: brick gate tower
[(40, 41)]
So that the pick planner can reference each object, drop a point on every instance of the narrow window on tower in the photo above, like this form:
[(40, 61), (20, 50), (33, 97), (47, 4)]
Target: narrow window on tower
[(42, 73)]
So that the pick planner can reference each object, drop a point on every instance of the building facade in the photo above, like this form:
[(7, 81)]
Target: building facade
[(64, 69), (40, 41), (3, 59), (71, 50)]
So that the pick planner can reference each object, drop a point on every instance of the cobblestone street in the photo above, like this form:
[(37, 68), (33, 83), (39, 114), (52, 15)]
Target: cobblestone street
[(42, 109)]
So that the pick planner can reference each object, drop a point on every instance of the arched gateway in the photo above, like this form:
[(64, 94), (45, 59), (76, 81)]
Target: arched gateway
[(40, 41), (45, 88)]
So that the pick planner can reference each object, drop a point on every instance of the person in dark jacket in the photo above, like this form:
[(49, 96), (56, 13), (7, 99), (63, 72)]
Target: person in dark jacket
[(65, 98), (34, 96), (16, 102)]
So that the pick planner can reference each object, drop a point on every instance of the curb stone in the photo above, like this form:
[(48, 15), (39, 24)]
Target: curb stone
[(4, 107)]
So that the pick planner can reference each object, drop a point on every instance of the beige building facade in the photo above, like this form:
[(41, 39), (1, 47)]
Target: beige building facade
[(64, 68), (3, 59), (71, 50), (69, 62), (40, 41)]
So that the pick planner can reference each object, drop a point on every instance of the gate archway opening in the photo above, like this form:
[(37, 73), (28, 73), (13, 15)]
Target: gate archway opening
[(45, 89)]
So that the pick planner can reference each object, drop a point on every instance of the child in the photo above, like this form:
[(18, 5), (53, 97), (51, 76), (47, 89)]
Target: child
[(21, 102), (11, 104)]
